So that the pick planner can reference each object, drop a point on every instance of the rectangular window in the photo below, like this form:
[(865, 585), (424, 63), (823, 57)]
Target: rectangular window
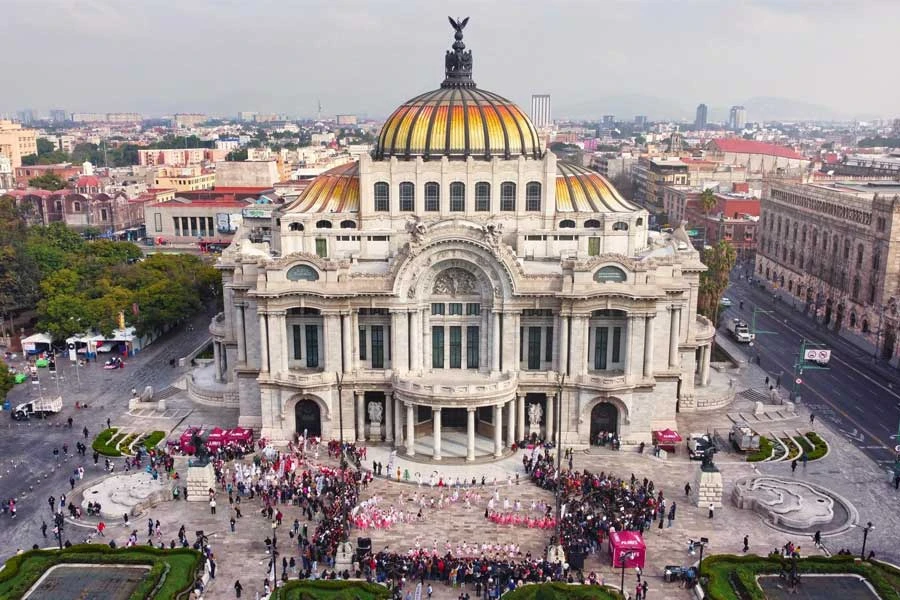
[(157, 221), (387, 341), (312, 346), (382, 196), (362, 343), (521, 344), (455, 347), (457, 197), (437, 308), (377, 347), (407, 196), (321, 247), (473, 308), (472, 347), (483, 197), (432, 197), (548, 345), (601, 335), (175, 224), (617, 342), (508, 196), (456, 308), (593, 246), (437, 347), (298, 342), (534, 347)]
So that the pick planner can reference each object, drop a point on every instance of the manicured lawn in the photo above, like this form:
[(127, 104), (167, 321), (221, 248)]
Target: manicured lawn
[(105, 444), (764, 452), (564, 591), (23, 570), (331, 590)]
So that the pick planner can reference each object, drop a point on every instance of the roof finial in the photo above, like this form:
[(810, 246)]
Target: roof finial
[(458, 62)]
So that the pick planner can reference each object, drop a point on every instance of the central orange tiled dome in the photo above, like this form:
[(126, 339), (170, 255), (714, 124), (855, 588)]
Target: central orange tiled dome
[(458, 122)]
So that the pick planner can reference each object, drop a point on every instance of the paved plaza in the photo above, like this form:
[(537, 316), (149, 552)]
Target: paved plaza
[(78, 582)]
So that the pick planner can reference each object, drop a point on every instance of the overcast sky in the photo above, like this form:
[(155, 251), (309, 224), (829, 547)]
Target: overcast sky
[(366, 57)]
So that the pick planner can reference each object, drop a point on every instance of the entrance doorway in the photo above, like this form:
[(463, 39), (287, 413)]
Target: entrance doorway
[(604, 418), (308, 418), (890, 338), (454, 418)]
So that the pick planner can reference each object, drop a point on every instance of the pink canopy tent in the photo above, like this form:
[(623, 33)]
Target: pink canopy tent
[(239, 435), (216, 438), (184, 442), (622, 542), (666, 438)]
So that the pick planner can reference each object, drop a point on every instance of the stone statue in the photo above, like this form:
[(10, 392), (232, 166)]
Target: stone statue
[(492, 232), (375, 412), (535, 414), (707, 464), (454, 282), (417, 230), (201, 455)]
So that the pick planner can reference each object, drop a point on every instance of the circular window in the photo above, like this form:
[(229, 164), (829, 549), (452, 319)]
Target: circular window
[(302, 273), (610, 275)]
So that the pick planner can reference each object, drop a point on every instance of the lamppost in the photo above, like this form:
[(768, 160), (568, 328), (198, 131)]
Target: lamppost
[(340, 387), (59, 521), (866, 530), (560, 381), (625, 556), (702, 543)]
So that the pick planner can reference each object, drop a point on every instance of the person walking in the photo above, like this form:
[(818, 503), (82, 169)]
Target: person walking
[(687, 488), (232, 524), (644, 587), (793, 466), (238, 588), (672, 514), (85, 432), (817, 539), (812, 418), (746, 543), (212, 506), (711, 510), (108, 423), (44, 528)]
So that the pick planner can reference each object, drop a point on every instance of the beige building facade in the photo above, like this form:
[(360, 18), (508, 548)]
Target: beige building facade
[(833, 250), (457, 291), (16, 142)]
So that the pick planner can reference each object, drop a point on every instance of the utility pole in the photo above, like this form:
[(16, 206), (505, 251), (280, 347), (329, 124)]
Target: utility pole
[(800, 365)]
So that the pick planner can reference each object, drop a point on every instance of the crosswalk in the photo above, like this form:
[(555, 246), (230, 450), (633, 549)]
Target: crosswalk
[(149, 413)]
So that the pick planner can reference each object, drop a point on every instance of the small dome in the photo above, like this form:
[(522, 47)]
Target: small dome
[(458, 122), (579, 189), (335, 190)]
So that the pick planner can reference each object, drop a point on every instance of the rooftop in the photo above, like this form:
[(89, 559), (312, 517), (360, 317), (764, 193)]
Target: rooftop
[(862, 189), (742, 146)]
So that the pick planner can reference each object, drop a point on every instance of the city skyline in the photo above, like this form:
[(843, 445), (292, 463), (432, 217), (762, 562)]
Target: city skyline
[(202, 57)]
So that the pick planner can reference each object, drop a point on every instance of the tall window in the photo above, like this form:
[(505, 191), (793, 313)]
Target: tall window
[(312, 346), (617, 338), (593, 246), (362, 343), (455, 347), (321, 247), (482, 196), (407, 197), (508, 196), (533, 196), (601, 340), (382, 197), (432, 197), (377, 347), (472, 347), (457, 196), (548, 345), (437, 347), (298, 342), (534, 347)]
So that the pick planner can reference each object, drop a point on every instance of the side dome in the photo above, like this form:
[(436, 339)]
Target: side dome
[(458, 122), (334, 191), (579, 189)]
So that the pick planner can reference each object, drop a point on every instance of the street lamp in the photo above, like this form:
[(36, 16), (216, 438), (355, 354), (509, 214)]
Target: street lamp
[(866, 529), (625, 556), (340, 387), (59, 521), (560, 381), (702, 543)]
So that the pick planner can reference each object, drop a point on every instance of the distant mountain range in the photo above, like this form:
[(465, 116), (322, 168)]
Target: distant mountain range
[(759, 108)]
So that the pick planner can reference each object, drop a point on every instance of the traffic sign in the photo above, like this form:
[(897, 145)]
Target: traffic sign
[(798, 381), (817, 355)]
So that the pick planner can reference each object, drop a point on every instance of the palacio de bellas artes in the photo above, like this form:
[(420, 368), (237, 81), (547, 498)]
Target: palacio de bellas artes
[(457, 290)]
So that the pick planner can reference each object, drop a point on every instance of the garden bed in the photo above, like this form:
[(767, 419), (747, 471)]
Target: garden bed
[(104, 442), (563, 591), (331, 590), (764, 452), (110, 442)]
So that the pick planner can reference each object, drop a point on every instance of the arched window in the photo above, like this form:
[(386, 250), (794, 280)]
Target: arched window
[(859, 255), (865, 326), (639, 222), (295, 227), (592, 224), (323, 224), (815, 238), (856, 284), (567, 224), (620, 226), (507, 196), (610, 274), (382, 196), (432, 196), (533, 196), (846, 249), (852, 319), (348, 224), (483, 196), (407, 197), (803, 235), (302, 273), (457, 196), (76, 206)]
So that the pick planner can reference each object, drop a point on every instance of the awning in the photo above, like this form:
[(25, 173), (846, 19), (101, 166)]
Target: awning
[(666, 436), (38, 338)]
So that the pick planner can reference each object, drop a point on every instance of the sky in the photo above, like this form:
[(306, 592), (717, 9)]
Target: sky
[(656, 57)]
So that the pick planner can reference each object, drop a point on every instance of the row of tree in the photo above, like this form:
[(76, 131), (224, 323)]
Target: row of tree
[(114, 153), (80, 285)]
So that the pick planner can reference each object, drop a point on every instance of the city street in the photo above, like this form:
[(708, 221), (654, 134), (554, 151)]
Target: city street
[(856, 393)]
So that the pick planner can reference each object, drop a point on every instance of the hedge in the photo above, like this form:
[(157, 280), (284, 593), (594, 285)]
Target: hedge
[(102, 443), (732, 577), (331, 590), (764, 452), (153, 439), (23, 570), (564, 591), (820, 448)]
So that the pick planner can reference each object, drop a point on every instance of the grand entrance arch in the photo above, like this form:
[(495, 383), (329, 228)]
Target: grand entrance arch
[(604, 418), (308, 417)]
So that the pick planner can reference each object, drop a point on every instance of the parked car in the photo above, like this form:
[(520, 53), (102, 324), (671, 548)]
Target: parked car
[(726, 301), (106, 347)]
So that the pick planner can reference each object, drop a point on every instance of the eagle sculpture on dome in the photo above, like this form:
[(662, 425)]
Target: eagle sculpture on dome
[(458, 24)]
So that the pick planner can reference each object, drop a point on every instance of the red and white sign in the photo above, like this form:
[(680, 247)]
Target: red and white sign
[(817, 355)]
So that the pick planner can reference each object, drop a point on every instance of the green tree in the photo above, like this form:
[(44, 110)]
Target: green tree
[(719, 261), (45, 146), (50, 247), (19, 274), (47, 181), (708, 201), (237, 155), (7, 380)]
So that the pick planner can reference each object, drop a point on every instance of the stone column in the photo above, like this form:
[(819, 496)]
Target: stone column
[(511, 423), (705, 358), (354, 340), (217, 361), (241, 334), (550, 416), (398, 420), (263, 343), (520, 422), (498, 430), (331, 332), (399, 341), (470, 433), (674, 318), (436, 431), (648, 346), (360, 416), (388, 418), (415, 343), (563, 337), (426, 339), (495, 341), (346, 343), (278, 337), (517, 344), (410, 431), (629, 331)]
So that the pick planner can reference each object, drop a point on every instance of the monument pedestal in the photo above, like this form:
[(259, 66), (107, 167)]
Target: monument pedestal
[(534, 430), (199, 481), (343, 558), (709, 489), (374, 432), (556, 554)]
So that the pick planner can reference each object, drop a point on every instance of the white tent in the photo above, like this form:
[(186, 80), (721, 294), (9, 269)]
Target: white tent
[(30, 344)]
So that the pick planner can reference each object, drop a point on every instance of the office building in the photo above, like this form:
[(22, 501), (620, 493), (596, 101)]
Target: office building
[(16, 142), (540, 110), (700, 119), (737, 118)]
